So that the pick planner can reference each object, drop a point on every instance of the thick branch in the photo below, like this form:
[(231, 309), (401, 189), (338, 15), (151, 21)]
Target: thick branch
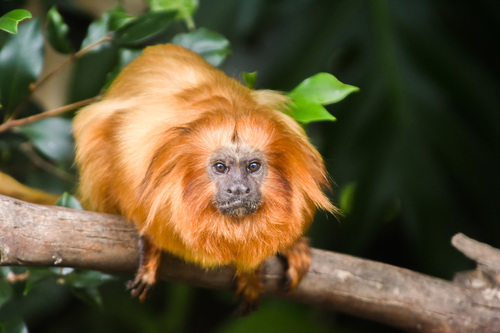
[(35, 235), (486, 257)]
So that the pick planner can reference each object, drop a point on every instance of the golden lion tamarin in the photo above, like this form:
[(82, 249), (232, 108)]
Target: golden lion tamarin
[(207, 169)]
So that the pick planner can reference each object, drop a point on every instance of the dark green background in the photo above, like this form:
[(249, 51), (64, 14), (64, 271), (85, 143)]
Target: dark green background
[(419, 144)]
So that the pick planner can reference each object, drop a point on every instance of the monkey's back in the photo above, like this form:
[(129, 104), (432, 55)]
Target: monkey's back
[(144, 147)]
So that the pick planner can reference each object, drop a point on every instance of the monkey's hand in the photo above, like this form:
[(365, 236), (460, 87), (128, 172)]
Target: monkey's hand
[(298, 257), (249, 287), (147, 274)]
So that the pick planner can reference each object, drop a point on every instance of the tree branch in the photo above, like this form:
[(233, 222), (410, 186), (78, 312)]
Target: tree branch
[(36, 235), (47, 114)]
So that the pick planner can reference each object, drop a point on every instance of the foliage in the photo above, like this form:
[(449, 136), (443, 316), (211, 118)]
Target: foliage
[(21, 60), (414, 155), (10, 20), (314, 92), (69, 201), (57, 31)]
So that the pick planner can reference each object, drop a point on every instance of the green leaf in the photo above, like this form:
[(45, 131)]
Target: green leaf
[(4, 271), (185, 8), (10, 20), (69, 201), (21, 60), (57, 31), (305, 111), (5, 292), (322, 88), (209, 44), (52, 137), (118, 18), (36, 277), (86, 279), (91, 296), (347, 195), (92, 69), (250, 79), (97, 30), (144, 28), (309, 96), (293, 318), (84, 285), (180, 299), (14, 325)]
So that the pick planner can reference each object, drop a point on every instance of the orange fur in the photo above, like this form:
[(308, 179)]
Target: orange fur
[(143, 152)]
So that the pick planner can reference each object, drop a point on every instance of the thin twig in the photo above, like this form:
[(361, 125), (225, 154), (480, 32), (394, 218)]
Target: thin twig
[(35, 158), (76, 55), (47, 114), (34, 86)]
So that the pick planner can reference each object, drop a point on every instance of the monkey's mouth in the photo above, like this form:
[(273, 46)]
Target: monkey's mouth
[(237, 207)]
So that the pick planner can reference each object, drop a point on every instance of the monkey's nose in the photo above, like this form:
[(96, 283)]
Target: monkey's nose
[(238, 190)]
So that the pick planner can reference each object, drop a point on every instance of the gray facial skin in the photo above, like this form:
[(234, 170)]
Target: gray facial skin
[(237, 174)]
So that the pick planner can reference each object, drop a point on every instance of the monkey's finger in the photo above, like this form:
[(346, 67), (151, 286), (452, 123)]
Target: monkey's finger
[(140, 289), (298, 258), (291, 279), (246, 307)]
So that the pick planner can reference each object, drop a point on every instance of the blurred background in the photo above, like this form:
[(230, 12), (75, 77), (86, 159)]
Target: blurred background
[(415, 154)]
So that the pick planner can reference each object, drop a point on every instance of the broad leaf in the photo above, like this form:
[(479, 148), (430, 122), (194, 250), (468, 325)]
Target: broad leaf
[(322, 88), (52, 137), (209, 44), (5, 291), (185, 8), (10, 20), (38, 276), (347, 196), (250, 79), (314, 92), (144, 28), (14, 325), (84, 285), (305, 111), (90, 295), (92, 69), (118, 18), (88, 279), (21, 60), (57, 31), (68, 201), (292, 316), (97, 30)]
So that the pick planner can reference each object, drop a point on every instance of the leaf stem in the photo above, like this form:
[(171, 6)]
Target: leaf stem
[(35, 158), (56, 70)]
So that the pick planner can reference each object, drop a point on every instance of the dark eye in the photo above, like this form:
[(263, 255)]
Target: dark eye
[(220, 167), (254, 167)]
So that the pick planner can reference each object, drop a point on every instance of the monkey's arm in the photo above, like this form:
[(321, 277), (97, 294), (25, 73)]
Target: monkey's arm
[(147, 274), (249, 285), (298, 259)]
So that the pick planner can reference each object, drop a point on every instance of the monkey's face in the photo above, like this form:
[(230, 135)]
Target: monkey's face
[(237, 173)]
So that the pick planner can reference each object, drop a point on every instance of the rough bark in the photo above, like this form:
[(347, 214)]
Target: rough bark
[(36, 235)]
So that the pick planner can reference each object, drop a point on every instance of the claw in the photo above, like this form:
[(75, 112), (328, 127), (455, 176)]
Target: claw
[(140, 287), (249, 288), (299, 260), (147, 274)]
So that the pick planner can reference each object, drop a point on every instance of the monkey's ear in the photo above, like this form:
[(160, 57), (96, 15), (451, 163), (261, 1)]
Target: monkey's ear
[(273, 99)]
